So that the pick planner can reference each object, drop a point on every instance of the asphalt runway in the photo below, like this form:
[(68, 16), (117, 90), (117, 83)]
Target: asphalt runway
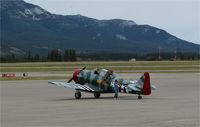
[(175, 103)]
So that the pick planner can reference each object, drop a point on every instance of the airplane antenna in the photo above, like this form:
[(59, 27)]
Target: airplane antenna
[(175, 54)]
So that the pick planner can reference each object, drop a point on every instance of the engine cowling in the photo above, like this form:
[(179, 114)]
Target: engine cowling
[(75, 75)]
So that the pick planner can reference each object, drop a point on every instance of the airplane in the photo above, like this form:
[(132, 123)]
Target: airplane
[(100, 81)]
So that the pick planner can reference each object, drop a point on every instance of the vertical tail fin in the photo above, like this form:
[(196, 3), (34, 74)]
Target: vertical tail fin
[(147, 86)]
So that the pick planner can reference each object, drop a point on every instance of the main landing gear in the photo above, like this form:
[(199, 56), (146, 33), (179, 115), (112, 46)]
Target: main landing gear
[(77, 95), (139, 97), (97, 95)]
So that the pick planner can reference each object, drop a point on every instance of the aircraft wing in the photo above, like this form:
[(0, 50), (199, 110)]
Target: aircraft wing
[(74, 86)]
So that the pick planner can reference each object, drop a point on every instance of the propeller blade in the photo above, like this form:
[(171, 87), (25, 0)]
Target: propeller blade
[(72, 77), (70, 80), (83, 69)]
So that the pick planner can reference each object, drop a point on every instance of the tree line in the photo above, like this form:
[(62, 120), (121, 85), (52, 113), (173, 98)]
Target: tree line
[(53, 55), (57, 55), (72, 55)]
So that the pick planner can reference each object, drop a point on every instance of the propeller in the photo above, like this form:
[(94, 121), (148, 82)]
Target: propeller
[(73, 77), (70, 80), (83, 69)]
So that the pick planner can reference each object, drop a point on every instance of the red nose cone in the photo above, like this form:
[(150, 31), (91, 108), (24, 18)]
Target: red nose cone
[(75, 75)]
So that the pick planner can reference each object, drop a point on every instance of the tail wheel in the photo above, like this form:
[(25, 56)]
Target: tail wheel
[(97, 95), (139, 97), (77, 95)]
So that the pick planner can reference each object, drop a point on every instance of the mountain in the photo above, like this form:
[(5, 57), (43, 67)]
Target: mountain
[(26, 27)]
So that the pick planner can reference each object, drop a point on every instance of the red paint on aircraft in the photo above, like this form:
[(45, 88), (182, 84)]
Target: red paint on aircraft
[(75, 75), (147, 85)]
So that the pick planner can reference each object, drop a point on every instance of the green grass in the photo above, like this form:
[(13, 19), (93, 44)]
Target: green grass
[(100, 63), (121, 65)]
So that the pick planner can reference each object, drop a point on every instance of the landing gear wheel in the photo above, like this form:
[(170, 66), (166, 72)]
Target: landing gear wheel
[(97, 95), (77, 95), (139, 97)]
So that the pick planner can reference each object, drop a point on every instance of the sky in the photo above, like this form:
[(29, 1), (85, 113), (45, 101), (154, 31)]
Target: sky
[(180, 18)]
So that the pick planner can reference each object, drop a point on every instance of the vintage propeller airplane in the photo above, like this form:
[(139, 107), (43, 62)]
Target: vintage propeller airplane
[(100, 81)]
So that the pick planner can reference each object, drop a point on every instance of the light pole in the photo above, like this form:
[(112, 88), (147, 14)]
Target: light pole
[(159, 57), (175, 55)]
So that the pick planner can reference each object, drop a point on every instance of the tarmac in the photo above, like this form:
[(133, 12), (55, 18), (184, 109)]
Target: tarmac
[(31, 103)]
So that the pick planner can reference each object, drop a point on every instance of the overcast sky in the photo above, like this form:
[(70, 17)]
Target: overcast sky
[(178, 17)]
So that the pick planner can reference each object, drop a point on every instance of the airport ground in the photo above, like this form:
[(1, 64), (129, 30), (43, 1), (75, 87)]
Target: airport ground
[(35, 103)]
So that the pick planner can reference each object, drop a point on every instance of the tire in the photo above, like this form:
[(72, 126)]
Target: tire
[(77, 95), (97, 95), (139, 97)]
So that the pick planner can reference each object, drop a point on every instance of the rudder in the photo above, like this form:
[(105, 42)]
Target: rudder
[(147, 86)]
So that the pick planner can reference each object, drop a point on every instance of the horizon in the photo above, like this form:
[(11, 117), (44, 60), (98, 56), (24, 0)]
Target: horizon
[(181, 20)]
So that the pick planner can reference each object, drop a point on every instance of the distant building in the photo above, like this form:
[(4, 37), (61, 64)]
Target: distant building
[(132, 60), (173, 59)]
